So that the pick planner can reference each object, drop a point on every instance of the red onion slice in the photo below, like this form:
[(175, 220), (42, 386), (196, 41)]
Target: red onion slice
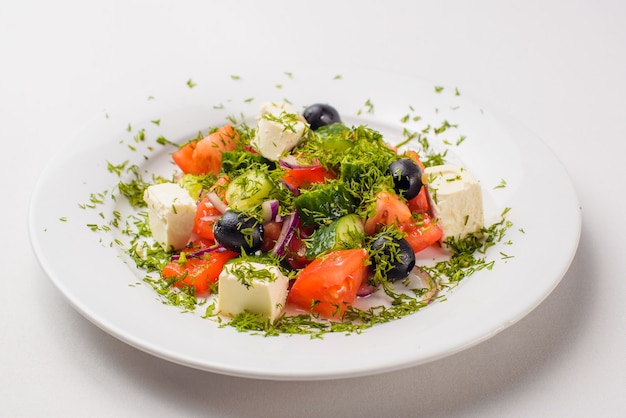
[(200, 253), (286, 233), (365, 290), (425, 281), (293, 189), (289, 161), (269, 210)]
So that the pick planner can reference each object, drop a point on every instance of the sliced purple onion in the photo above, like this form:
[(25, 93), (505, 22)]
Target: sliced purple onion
[(294, 190), (365, 290), (196, 254), (286, 233), (269, 210), (217, 202), (289, 161), (425, 280)]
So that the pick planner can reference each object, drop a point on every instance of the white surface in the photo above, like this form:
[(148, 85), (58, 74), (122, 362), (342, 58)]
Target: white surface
[(488, 302), (556, 66)]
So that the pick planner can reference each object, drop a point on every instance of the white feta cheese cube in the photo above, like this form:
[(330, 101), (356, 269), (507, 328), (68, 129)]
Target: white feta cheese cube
[(279, 129), (456, 200), (171, 213), (250, 286)]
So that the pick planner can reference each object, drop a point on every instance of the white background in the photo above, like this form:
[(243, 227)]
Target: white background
[(557, 66)]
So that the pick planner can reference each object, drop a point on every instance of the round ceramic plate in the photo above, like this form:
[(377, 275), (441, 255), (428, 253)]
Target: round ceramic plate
[(515, 168)]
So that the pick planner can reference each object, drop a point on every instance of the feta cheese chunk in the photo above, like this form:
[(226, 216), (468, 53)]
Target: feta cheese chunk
[(456, 200), (279, 129), (171, 212), (250, 286)]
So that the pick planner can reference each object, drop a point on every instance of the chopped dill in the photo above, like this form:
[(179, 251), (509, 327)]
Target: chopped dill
[(359, 158)]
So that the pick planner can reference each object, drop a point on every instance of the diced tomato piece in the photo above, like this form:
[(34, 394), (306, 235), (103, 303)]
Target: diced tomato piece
[(197, 243), (388, 210), (415, 157), (208, 152), (422, 233), (219, 187), (200, 272), (184, 159), (296, 250), (206, 216), (330, 283), (303, 176), (271, 232), (420, 202), (205, 155)]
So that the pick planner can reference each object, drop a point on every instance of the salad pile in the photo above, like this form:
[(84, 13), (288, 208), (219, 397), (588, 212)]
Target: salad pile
[(295, 224)]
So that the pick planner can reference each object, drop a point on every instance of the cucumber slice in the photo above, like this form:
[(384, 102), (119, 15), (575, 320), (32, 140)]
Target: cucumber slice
[(249, 190), (325, 204), (344, 233)]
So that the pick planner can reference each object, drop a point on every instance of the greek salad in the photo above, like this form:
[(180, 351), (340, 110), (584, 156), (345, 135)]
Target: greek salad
[(293, 224)]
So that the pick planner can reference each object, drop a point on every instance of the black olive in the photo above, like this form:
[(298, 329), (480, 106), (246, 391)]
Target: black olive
[(393, 256), (238, 232), (321, 114), (407, 177)]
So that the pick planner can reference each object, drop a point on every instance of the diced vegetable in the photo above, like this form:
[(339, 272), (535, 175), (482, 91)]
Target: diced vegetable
[(388, 210), (199, 273), (325, 204), (206, 216), (302, 177), (205, 155), (421, 233), (249, 190), (344, 233), (208, 152), (329, 284)]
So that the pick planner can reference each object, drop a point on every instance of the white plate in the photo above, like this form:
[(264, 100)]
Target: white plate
[(97, 281)]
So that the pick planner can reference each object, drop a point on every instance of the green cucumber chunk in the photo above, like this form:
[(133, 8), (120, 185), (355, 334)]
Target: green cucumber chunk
[(249, 190), (322, 205), (342, 234)]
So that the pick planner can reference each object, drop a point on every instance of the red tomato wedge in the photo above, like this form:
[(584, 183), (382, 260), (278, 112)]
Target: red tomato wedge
[(184, 159), (422, 233), (220, 186), (388, 210), (271, 232), (205, 156), (208, 152), (420, 202), (303, 176), (199, 273), (415, 157), (329, 284), (206, 216), (295, 254)]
